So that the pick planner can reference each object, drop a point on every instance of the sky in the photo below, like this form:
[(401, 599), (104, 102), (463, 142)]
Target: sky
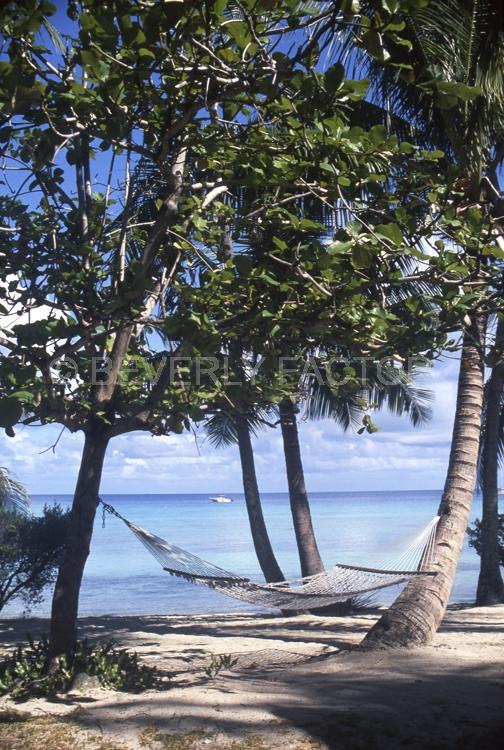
[(397, 457)]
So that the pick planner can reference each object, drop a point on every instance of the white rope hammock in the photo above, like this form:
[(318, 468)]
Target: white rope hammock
[(336, 584)]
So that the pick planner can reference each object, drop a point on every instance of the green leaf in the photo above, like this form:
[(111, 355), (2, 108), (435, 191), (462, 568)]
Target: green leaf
[(238, 30), (493, 251), (333, 77), (308, 225), (10, 412), (338, 247), (360, 256), (22, 396), (353, 228), (458, 90), (243, 265), (406, 148), (220, 5), (391, 232), (373, 43), (269, 279), (144, 52), (94, 64), (378, 134), (5, 133), (358, 87)]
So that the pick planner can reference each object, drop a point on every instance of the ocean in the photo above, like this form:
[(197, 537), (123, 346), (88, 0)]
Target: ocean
[(121, 578)]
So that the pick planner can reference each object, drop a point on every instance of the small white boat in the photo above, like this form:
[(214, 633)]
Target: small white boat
[(221, 499)]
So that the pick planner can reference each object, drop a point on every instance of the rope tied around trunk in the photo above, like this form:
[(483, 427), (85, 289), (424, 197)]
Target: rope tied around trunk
[(106, 508)]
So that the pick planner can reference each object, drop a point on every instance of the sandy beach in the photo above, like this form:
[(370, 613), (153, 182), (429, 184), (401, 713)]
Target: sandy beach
[(297, 683)]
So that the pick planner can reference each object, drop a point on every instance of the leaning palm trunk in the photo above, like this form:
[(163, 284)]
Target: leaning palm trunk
[(265, 555), (416, 614), (490, 584), (309, 556)]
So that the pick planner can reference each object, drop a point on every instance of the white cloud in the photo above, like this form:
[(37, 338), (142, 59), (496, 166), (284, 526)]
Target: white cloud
[(396, 457)]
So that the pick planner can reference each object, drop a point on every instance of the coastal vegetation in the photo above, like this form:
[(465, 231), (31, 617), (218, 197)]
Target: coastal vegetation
[(31, 549), (25, 673), (476, 539), (219, 211)]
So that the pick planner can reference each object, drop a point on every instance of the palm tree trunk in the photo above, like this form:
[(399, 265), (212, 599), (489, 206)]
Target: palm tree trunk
[(309, 556), (265, 555), (416, 614), (490, 584), (63, 629)]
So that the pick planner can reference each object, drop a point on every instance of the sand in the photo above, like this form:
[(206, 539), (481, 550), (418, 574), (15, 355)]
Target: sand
[(297, 683)]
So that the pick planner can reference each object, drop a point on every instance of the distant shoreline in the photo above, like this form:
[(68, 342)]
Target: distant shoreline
[(240, 493)]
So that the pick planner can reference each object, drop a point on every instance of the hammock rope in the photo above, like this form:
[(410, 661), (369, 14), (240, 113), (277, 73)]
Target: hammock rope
[(333, 585)]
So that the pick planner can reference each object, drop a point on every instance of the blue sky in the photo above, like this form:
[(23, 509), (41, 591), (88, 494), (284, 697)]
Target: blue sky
[(397, 457)]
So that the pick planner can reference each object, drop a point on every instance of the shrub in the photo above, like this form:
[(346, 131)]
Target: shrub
[(474, 534), (30, 552), (219, 662), (26, 672)]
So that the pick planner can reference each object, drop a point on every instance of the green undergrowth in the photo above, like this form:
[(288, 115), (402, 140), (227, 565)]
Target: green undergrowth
[(25, 673), (217, 663)]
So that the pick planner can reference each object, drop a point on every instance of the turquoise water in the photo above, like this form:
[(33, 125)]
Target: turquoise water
[(351, 527)]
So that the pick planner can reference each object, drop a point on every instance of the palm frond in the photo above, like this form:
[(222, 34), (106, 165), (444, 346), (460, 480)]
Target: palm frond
[(221, 426), (54, 36), (324, 402), (381, 386), (402, 396), (13, 495), (221, 429), (451, 42)]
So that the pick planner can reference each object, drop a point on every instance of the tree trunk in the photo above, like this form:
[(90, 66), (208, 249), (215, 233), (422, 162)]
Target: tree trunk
[(309, 556), (63, 630), (416, 614), (267, 560), (490, 584)]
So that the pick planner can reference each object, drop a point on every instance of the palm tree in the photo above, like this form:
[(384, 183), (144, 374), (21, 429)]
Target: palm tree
[(417, 612), (452, 90), (382, 386), (490, 584), (309, 555), (227, 427)]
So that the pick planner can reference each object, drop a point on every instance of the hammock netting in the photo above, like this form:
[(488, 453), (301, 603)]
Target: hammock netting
[(333, 585)]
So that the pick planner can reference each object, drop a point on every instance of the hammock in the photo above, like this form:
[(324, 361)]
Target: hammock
[(336, 584)]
